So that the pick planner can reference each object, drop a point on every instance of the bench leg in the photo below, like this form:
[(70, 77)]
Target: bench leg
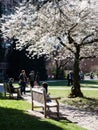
[(32, 106), (58, 112), (5, 94), (45, 114)]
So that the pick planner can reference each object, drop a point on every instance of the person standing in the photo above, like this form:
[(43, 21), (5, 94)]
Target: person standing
[(37, 78), (81, 75), (70, 78), (31, 78), (23, 81)]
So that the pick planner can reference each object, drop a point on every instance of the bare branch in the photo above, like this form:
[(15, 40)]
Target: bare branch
[(91, 41), (64, 45), (93, 56), (71, 40), (88, 36)]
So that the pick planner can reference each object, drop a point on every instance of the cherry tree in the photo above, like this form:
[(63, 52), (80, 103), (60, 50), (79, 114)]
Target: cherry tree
[(41, 28)]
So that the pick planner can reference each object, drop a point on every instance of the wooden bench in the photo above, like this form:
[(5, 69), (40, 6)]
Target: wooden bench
[(39, 100), (7, 90)]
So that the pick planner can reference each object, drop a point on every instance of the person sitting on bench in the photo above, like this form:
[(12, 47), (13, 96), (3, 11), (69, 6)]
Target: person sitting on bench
[(13, 89), (45, 88)]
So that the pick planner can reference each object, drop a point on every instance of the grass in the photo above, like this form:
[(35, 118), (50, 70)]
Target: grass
[(63, 83), (88, 103), (14, 116), (90, 100)]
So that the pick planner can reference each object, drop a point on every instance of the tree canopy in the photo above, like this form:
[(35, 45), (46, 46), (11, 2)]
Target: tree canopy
[(69, 23), (43, 26)]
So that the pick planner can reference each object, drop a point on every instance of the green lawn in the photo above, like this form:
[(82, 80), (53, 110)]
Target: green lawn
[(14, 116), (90, 100)]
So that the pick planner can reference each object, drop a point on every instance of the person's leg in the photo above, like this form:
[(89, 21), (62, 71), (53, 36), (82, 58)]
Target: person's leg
[(18, 93), (68, 82), (32, 83), (24, 87), (21, 89)]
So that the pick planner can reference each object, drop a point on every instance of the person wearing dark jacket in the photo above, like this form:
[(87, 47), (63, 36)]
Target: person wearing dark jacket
[(23, 81), (31, 78), (70, 78)]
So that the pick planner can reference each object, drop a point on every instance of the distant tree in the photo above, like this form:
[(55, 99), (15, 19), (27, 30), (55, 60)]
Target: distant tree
[(60, 59)]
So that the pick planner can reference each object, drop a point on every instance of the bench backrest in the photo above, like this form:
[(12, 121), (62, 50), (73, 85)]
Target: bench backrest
[(39, 96), (7, 87)]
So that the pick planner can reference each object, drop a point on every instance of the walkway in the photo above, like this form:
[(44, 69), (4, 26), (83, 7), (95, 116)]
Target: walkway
[(88, 120)]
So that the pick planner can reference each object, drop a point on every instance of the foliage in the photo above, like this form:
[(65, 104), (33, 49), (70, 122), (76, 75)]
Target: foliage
[(53, 24)]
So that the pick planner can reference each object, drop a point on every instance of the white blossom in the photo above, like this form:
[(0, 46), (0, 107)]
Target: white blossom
[(54, 19)]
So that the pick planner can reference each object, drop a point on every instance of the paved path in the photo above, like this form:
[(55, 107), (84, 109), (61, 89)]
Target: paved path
[(1, 87), (88, 120)]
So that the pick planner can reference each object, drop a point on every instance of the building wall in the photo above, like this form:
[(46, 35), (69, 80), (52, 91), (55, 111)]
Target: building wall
[(89, 65)]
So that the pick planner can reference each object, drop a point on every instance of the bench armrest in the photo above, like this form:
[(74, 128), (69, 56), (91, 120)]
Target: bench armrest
[(55, 98)]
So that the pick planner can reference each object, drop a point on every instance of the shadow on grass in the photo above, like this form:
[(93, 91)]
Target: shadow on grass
[(62, 83), (90, 99), (3, 97), (12, 119), (15, 119), (57, 83), (53, 115), (89, 82), (87, 86)]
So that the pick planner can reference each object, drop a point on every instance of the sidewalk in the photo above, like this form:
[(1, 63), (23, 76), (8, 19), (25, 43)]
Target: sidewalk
[(88, 120)]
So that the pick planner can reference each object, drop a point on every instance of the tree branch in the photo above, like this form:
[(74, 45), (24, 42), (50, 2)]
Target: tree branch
[(87, 57), (91, 41), (83, 41), (70, 39), (64, 45)]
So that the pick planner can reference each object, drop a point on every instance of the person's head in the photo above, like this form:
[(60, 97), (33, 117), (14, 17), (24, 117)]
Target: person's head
[(23, 71), (32, 72), (11, 80), (45, 85)]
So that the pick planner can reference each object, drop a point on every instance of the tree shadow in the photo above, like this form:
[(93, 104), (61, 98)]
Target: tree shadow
[(3, 97), (57, 83), (14, 119), (91, 105)]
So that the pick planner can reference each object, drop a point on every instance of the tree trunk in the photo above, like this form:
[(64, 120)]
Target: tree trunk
[(75, 90), (57, 71)]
